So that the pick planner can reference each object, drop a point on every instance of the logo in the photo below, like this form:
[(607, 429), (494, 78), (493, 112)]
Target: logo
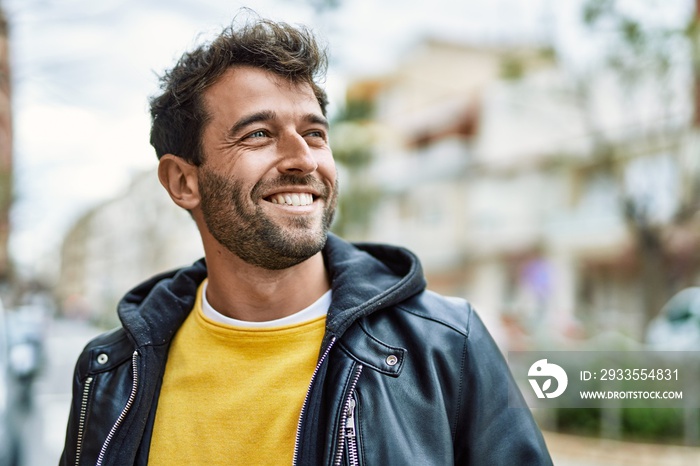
[(542, 369)]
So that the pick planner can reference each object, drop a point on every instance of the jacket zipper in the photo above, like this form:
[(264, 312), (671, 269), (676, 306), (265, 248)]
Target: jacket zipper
[(306, 400), (348, 425), (125, 411), (81, 419)]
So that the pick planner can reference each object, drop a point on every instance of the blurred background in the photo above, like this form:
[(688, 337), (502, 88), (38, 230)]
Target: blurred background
[(541, 157)]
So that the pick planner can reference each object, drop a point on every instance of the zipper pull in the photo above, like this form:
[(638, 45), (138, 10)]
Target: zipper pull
[(350, 421)]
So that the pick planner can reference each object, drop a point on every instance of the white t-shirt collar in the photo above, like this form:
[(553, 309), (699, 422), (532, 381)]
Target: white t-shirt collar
[(318, 309)]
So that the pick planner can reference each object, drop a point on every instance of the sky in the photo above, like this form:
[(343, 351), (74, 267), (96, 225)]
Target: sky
[(83, 70)]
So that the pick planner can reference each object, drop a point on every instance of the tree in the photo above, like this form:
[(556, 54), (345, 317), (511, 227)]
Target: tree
[(645, 54), (352, 138)]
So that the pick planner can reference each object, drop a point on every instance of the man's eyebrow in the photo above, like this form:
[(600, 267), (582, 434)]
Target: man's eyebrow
[(318, 119), (265, 115)]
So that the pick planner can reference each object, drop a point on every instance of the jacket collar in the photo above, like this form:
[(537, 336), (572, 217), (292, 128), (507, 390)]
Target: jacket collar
[(152, 312), (364, 278)]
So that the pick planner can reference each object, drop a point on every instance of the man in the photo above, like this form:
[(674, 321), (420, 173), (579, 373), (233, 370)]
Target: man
[(287, 345)]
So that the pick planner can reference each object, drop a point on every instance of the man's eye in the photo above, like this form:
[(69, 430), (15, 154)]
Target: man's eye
[(257, 134), (316, 134)]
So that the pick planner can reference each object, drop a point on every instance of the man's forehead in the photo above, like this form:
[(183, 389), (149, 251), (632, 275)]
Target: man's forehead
[(247, 95), (244, 90), (247, 79)]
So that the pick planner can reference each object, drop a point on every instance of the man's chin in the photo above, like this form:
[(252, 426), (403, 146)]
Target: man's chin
[(283, 253), (303, 239)]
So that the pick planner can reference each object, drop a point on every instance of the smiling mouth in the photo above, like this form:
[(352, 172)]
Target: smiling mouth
[(291, 199)]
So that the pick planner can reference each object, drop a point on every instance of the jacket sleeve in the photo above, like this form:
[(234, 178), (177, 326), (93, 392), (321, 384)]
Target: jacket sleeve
[(496, 430)]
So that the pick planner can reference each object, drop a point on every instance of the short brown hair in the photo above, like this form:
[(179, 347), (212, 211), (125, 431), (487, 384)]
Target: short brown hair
[(178, 114)]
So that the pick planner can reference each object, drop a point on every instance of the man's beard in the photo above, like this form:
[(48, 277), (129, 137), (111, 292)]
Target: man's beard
[(253, 236)]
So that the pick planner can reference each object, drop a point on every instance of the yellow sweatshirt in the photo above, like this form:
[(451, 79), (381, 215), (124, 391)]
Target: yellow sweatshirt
[(232, 395)]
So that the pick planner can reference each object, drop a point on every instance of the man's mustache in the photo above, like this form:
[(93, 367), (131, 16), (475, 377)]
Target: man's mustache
[(287, 180)]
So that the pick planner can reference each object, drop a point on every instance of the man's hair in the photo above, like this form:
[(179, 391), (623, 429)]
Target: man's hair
[(178, 114)]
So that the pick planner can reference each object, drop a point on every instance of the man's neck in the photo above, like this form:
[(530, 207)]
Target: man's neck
[(247, 292)]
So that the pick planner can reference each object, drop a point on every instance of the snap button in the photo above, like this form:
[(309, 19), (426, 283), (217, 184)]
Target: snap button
[(102, 358), (392, 360)]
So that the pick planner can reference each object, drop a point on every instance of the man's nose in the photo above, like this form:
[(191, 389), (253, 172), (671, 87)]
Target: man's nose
[(295, 155)]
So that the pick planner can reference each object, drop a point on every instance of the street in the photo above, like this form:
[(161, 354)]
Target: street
[(569, 450)]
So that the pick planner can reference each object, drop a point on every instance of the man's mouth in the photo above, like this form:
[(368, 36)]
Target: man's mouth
[(293, 199)]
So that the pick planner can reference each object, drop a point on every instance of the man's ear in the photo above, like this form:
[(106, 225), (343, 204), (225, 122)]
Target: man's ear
[(179, 178)]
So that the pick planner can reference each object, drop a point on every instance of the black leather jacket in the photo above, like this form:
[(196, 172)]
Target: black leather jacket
[(405, 376)]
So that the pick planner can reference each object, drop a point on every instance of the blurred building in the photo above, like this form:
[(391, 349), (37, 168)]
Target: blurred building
[(518, 185), (5, 148), (121, 243)]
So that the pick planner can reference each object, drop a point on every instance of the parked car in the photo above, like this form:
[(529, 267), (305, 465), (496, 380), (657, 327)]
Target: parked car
[(677, 327), (9, 435)]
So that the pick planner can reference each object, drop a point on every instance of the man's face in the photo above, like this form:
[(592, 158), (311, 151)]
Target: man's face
[(268, 180)]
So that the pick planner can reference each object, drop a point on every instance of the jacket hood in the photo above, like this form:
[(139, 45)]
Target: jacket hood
[(364, 278)]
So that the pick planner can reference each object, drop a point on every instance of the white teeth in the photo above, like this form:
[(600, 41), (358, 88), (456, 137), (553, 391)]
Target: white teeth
[(294, 199), (305, 199)]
